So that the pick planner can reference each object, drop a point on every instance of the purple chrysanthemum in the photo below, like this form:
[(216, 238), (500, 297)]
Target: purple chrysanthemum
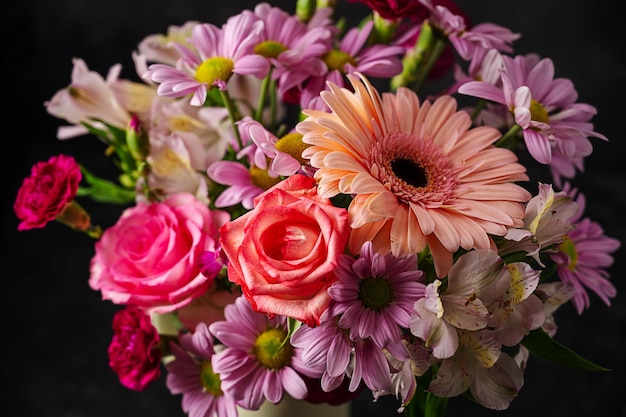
[(375, 294), (192, 375), (583, 258), (257, 363)]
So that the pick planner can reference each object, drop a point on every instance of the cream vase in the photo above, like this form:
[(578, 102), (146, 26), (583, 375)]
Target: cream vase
[(289, 407)]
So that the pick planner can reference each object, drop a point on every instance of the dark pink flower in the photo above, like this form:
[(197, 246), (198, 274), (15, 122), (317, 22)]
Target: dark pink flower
[(133, 352), (51, 186)]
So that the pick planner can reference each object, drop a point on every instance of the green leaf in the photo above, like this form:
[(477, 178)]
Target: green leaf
[(105, 191), (540, 344)]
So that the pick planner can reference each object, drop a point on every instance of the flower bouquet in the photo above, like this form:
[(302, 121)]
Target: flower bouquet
[(312, 209)]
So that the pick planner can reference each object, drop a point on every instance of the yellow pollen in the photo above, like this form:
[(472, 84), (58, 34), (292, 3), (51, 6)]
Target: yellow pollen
[(336, 60), (292, 144), (270, 350), (215, 69), (569, 248), (262, 179), (538, 113), (211, 382), (270, 49)]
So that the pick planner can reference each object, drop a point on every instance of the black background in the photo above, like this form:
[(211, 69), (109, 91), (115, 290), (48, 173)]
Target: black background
[(55, 329)]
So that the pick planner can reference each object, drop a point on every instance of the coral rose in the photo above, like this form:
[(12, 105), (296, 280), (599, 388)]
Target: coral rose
[(284, 251), (134, 352), (151, 256)]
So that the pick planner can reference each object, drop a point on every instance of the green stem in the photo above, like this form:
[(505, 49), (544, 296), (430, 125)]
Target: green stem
[(509, 139), (479, 107), (233, 115), (258, 114), (418, 63)]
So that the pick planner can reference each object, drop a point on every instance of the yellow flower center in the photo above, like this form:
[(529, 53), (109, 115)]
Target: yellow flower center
[(214, 69), (211, 382), (262, 179), (270, 49), (569, 248), (375, 293), (270, 350), (292, 144), (336, 60), (538, 113)]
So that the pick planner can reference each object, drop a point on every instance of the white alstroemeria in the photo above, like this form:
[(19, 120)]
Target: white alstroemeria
[(493, 377), (474, 281), (170, 169), (88, 99), (546, 221), (518, 310)]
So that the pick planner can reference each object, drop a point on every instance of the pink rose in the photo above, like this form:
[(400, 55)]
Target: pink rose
[(284, 251), (51, 186), (150, 257), (134, 353)]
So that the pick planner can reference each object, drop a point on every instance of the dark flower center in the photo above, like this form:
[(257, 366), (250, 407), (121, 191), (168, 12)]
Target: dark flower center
[(409, 171), (375, 293)]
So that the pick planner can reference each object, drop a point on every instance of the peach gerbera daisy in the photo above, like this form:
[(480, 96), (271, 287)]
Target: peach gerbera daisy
[(419, 176)]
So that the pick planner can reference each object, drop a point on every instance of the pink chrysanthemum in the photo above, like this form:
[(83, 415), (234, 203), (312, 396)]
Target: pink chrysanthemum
[(192, 375), (375, 294), (583, 259), (329, 348), (543, 106), (353, 54), (293, 47), (255, 353), (216, 54), (467, 40), (419, 175)]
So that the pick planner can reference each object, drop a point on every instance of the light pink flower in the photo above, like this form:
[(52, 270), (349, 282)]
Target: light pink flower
[(466, 40), (543, 106), (149, 258), (353, 54), (293, 47), (241, 187), (215, 55)]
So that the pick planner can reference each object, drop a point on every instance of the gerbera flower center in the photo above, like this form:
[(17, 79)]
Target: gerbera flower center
[(569, 248), (211, 382), (336, 60), (270, 350), (375, 293), (270, 49), (262, 179), (409, 171), (215, 69), (538, 113), (292, 144), (414, 169)]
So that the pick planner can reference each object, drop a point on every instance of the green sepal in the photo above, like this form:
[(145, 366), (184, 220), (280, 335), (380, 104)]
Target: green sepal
[(104, 191), (540, 344)]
